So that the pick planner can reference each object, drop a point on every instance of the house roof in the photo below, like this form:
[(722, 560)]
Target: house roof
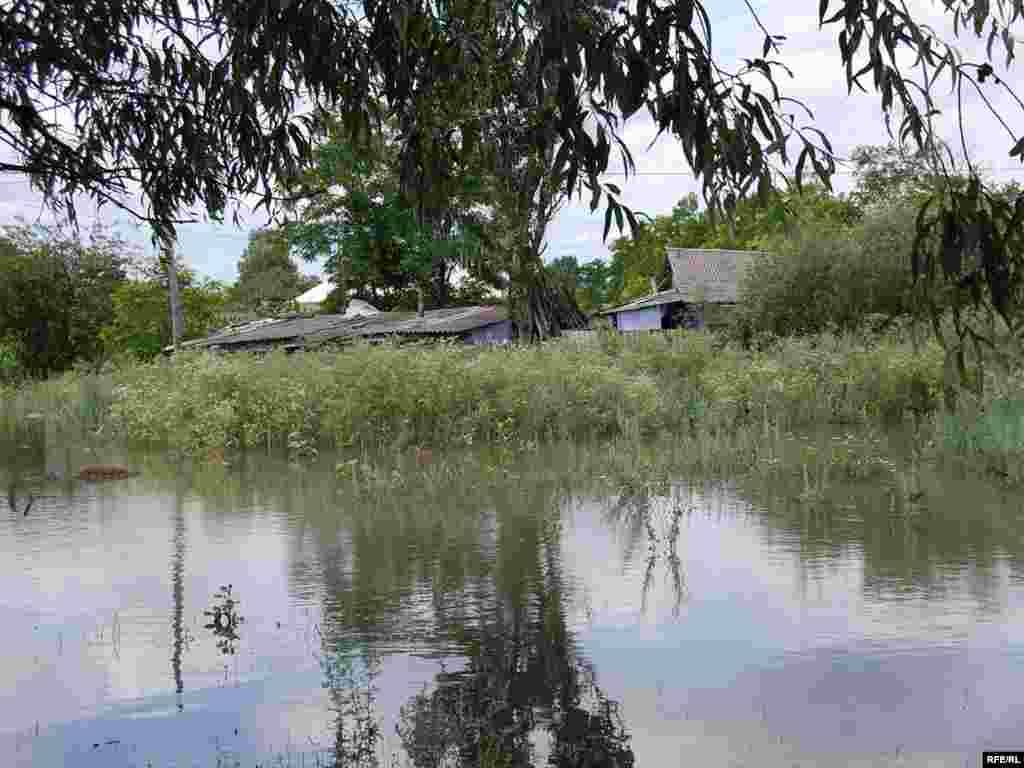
[(670, 296), (717, 271), (435, 322), (454, 320), (313, 330), (273, 330)]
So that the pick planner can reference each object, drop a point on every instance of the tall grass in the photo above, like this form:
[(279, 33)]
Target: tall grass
[(77, 401), (381, 396), (603, 386)]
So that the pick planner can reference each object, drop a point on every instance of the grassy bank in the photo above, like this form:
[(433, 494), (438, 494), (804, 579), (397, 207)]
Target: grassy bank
[(445, 395)]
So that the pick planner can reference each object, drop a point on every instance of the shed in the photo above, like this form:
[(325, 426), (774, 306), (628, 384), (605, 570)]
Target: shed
[(705, 282), (472, 325)]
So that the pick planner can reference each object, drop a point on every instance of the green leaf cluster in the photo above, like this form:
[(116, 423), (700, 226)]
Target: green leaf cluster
[(140, 327), (55, 295)]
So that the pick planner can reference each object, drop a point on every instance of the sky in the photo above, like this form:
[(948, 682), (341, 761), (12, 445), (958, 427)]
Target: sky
[(662, 176)]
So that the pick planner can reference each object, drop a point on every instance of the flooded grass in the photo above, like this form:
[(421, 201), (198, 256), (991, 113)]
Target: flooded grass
[(386, 398)]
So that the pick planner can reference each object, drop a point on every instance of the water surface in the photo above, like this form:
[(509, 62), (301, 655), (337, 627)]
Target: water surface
[(575, 599)]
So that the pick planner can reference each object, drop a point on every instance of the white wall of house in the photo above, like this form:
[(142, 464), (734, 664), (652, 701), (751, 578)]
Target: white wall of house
[(647, 319)]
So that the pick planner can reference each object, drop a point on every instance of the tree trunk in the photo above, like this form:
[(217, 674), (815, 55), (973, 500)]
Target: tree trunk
[(542, 307), (177, 317)]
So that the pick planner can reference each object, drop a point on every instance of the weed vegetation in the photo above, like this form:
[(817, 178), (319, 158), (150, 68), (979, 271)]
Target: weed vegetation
[(387, 397)]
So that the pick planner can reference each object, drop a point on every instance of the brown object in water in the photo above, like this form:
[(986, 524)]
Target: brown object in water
[(423, 456), (104, 472)]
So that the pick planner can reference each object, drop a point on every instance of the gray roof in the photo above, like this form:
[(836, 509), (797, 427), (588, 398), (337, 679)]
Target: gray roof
[(450, 321), (671, 296), (718, 272), (276, 330), (321, 328)]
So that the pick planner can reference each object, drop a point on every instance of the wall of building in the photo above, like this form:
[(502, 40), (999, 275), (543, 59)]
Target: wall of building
[(648, 319), (495, 333)]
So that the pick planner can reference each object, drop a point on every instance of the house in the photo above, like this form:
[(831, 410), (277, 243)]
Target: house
[(471, 325), (705, 285), (310, 301)]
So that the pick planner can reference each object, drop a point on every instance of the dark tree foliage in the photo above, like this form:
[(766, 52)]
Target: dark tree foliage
[(969, 257), (194, 103), (191, 103), (56, 294)]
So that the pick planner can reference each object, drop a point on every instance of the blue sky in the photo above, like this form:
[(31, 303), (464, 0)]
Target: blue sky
[(213, 249)]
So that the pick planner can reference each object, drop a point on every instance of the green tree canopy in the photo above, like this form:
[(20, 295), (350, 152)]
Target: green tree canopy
[(55, 293), (140, 325), (267, 276), (357, 216)]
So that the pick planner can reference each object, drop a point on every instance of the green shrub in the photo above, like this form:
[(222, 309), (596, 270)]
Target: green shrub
[(824, 276), (10, 371)]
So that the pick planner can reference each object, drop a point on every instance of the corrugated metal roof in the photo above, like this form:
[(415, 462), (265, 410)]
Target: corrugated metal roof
[(454, 320), (279, 330), (717, 272), (654, 300), (448, 321), (314, 330)]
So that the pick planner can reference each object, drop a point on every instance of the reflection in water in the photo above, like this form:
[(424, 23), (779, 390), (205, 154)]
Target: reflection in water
[(12, 497), (350, 670), (178, 594), (224, 620), (670, 554), (524, 672), (463, 566), (634, 511), (459, 574)]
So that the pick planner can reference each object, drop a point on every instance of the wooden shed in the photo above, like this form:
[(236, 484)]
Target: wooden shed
[(705, 285)]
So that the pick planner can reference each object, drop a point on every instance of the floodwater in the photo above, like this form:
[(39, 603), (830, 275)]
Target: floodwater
[(569, 603)]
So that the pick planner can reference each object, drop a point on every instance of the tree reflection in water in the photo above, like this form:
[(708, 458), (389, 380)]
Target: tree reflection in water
[(224, 620), (350, 670), (487, 715), (636, 509), (478, 558), (523, 673)]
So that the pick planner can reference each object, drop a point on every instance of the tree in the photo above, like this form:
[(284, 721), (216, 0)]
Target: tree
[(893, 174), (590, 281), (55, 294), (754, 225), (189, 127), (358, 217), (267, 276), (141, 326), (593, 284)]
